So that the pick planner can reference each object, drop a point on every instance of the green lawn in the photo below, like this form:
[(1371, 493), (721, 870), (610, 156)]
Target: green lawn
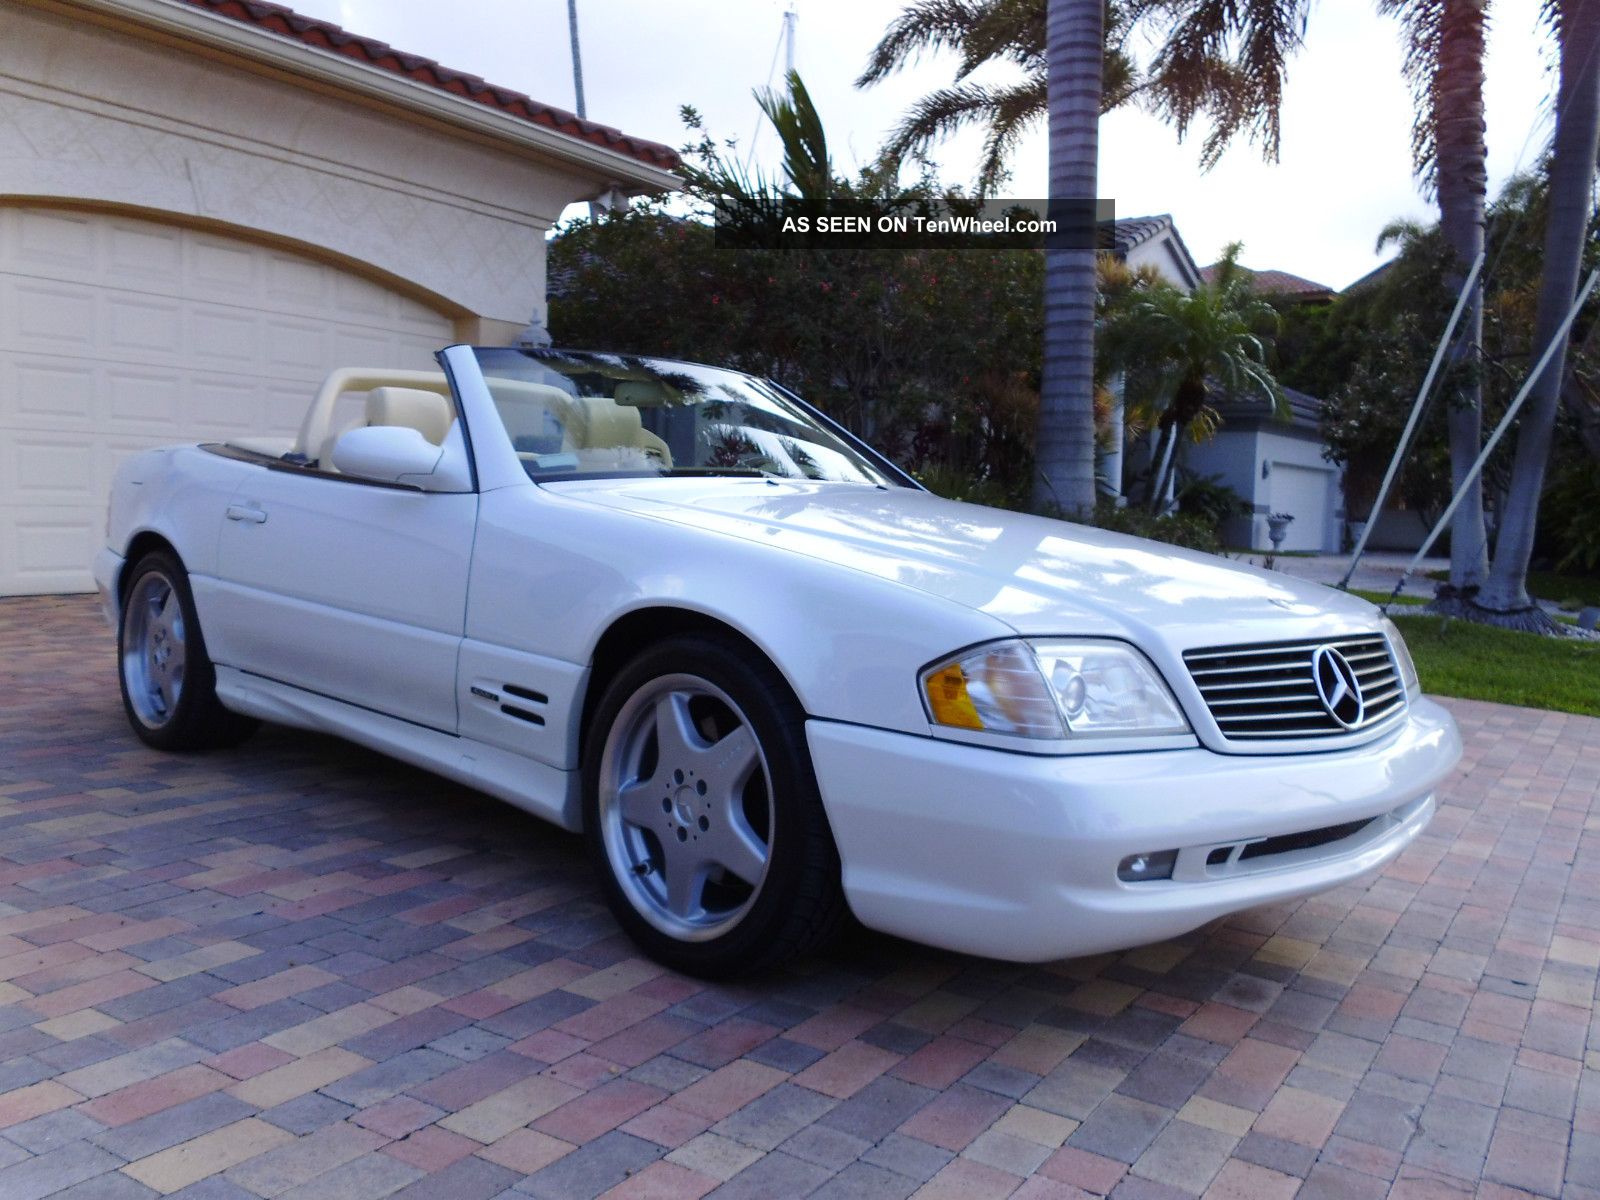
[(1457, 658)]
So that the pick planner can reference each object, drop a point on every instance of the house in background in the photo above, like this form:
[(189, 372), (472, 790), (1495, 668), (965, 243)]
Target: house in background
[(206, 205), (1275, 465), (1279, 285), (1154, 242)]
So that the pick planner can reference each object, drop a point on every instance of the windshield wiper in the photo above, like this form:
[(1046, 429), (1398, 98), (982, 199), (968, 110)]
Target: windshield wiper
[(746, 472)]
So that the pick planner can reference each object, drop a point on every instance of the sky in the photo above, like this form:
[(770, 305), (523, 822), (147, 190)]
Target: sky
[(1345, 170)]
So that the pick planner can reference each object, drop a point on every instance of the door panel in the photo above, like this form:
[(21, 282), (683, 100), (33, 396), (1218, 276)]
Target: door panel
[(347, 589)]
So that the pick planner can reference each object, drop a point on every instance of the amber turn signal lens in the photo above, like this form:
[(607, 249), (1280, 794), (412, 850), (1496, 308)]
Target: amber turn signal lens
[(948, 700)]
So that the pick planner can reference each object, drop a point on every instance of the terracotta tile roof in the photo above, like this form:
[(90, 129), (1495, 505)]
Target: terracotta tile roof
[(327, 36), (1279, 283)]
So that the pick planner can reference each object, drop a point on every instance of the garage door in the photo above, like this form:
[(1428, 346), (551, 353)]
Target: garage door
[(117, 334), (1304, 493)]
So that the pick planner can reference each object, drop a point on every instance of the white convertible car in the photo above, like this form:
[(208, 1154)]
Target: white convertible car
[(763, 671)]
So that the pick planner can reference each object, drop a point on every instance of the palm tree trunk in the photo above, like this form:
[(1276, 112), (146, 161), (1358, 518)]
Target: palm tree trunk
[(1065, 446), (1572, 171), (1158, 481), (1462, 180)]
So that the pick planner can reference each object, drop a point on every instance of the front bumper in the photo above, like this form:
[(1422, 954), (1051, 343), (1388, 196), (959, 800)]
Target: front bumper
[(1015, 856)]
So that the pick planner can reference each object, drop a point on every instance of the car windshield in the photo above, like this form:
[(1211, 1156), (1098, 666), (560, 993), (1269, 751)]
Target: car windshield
[(572, 414)]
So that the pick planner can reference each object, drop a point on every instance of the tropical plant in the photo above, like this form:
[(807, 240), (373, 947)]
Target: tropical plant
[(1179, 350), (1504, 597)]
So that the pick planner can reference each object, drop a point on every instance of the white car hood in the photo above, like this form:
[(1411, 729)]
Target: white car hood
[(1036, 575)]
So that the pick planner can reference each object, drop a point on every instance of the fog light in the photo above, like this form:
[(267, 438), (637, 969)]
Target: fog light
[(1137, 868)]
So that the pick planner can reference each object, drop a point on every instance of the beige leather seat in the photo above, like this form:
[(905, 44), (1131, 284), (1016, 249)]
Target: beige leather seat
[(412, 408), (609, 426), (533, 412)]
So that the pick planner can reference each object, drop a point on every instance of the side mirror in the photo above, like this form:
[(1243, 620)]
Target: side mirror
[(393, 453)]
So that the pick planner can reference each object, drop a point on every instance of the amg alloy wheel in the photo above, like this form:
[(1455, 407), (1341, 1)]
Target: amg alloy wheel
[(168, 682), (154, 649), (702, 811), (686, 807)]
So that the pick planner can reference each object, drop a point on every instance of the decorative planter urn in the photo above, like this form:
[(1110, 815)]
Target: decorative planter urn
[(1278, 528)]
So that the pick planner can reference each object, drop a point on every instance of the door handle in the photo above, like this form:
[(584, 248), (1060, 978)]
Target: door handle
[(246, 512)]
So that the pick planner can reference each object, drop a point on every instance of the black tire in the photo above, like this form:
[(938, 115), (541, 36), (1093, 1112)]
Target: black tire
[(798, 903), (170, 708)]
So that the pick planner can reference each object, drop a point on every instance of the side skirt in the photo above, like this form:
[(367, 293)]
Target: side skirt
[(535, 787)]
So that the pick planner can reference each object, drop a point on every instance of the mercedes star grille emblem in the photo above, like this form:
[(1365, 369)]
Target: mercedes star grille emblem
[(1337, 687)]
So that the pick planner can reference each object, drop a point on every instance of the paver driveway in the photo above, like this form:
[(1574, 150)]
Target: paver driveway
[(297, 969)]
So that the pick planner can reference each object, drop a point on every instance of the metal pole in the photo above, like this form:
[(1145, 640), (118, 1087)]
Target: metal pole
[(577, 58), (1500, 429), (1416, 415), (790, 20)]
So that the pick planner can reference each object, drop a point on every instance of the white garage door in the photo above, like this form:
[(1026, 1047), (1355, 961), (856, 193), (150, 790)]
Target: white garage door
[(1305, 493), (118, 333)]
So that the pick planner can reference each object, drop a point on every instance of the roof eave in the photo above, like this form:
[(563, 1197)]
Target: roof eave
[(176, 19)]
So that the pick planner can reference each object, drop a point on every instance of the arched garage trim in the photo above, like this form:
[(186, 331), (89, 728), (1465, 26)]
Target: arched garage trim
[(465, 322)]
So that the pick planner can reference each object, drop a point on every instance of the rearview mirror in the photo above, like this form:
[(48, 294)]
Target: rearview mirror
[(392, 453)]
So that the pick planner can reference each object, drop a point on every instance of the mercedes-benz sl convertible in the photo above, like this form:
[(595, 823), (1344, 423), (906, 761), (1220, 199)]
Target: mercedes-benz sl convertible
[(765, 673)]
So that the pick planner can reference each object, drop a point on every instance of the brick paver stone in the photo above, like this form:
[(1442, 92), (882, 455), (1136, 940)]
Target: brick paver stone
[(299, 971)]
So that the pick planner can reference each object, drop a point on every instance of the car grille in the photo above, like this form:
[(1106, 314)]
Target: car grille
[(1267, 690)]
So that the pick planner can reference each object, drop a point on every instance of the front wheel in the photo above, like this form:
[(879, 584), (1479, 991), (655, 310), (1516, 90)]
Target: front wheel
[(168, 682), (702, 812)]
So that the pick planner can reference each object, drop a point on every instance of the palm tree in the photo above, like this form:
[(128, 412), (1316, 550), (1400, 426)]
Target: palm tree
[(1572, 175), (1444, 48), (1178, 350), (1223, 60), (980, 33), (1065, 446), (1219, 61)]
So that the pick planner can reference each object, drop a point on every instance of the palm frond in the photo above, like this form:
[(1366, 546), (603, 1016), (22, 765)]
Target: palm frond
[(922, 28), (805, 145), (1224, 60), (942, 113), (1011, 112)]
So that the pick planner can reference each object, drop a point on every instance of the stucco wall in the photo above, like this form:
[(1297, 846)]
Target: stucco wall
[(97, 115), (1160, 252)]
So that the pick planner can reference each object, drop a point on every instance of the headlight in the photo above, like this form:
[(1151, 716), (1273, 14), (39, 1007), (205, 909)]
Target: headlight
[(1402, 659), (1052, 690)]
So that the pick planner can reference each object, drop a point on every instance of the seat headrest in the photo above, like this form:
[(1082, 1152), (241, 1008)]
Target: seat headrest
[(608, 424), (412, 408)]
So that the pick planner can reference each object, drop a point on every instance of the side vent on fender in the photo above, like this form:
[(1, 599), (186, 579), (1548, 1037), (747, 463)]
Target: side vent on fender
[(518, 711)]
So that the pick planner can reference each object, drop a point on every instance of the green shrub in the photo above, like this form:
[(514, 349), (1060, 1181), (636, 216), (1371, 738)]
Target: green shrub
[(955, 484), (1569, 520), (1208, 498), (1189, 530)]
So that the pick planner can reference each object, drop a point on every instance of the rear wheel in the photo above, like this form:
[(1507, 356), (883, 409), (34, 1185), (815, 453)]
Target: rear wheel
[(168, 682), (702, 812)]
